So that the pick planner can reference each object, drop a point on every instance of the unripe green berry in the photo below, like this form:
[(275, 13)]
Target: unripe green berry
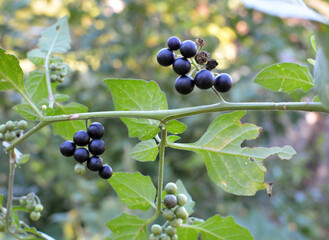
[(164, 237), (153, 237), (2, 226), (181, 199), (175, 237), (10, 136), (61, 75), (52, 67), (80, 169), (156, 229), (168, 214), (171, 231), (1, 137), (30, 207), (60, 80), (22, 125), (171, 188), (181, 213), (53, 78), (10, 125), (176, 222), (38, 208), (23, 201), (3, 128), (35, 216)]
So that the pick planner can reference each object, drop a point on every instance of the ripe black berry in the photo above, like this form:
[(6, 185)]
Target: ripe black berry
[(96, 147), (174, 43), (81, 138), (96, 130), (81, 155), (188, 49), (223, 82), (170, 201), (94, 163), (204, 79), (105, 172), (184, 84), (181, 66), (165, 57), (67, 148)]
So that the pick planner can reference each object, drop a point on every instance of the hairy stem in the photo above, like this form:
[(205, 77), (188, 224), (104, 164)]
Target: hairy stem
[(161, 167)]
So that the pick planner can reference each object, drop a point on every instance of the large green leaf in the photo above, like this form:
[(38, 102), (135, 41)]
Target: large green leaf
[(56, 37), (285, 77), (145, 151), (134, 189), (215, 228), (36, 86), (235, 169), (321, 68), (138, 95), (36, 56), (128, 227), (66, 129), (190, 203), (286, 9), (11, 74)]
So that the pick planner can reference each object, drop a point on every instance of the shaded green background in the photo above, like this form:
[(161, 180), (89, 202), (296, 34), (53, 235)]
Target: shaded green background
[(116, 38)]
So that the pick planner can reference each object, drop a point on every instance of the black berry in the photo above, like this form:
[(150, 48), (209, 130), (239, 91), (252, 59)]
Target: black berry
[(165, 57), (170, 201), (223, 82), (105, 172), (81, 138), (96, 147), (174, 43), (184, 84), (188, 49), (81, 155), (204, 79), (96, 130), (181, 66), (67, 148), (95, 163)]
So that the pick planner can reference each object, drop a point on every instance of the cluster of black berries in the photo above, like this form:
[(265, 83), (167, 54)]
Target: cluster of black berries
[(96, 147), (58, 73), (174, 213), (204, 78), (12, 130), (32, 205)]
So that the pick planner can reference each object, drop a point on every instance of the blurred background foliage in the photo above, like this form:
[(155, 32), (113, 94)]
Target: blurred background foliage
[(116, 38)]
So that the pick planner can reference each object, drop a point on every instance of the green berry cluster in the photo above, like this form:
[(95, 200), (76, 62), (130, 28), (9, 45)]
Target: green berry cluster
[(57, 72), (175, 213), (12, 130), (32, 204), (96, 147)]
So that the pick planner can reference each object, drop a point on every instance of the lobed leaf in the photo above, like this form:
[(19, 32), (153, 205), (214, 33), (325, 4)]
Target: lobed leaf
[(56, 37), (128, 227), (11, 74), (215, 228), (138, 95), (285, 77), (286, 9), (235, 169), (145, 151), (134, 189)]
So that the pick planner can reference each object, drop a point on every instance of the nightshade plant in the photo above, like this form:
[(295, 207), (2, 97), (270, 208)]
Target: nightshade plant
[(142, 106)]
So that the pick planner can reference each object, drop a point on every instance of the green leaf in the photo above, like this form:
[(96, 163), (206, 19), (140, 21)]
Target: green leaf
[(36, 56), (128, 227), (321, 68), (61, 97), (313, 43), (1, 198), (134, 189), (215, 228), (173, 138), (285, 77), (286, 9), (23, 159), (316, 99), (56, 37), (36, 86), (26, 112), (190, 203), (175, 127), (236, 170), (66, 129), (138, 95), (11, 74), (145, 151), (311, 61)]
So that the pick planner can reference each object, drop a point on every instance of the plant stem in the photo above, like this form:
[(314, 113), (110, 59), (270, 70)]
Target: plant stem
[(221, 99), (161, 167)]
